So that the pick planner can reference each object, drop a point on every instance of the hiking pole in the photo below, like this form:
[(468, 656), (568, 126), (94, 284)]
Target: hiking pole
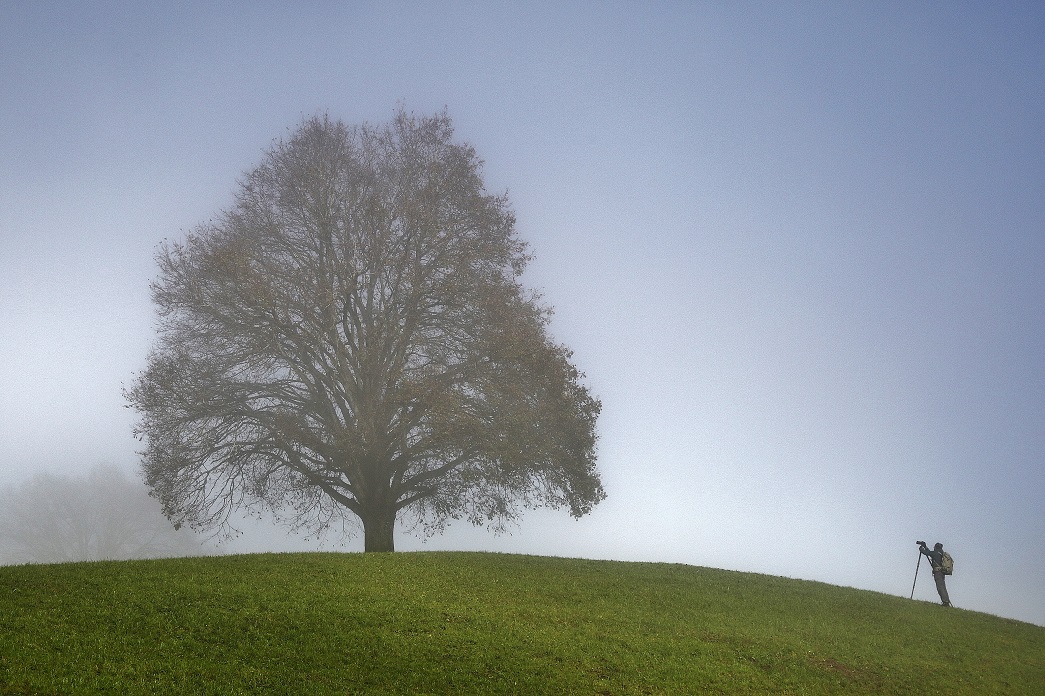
[(919, 565)]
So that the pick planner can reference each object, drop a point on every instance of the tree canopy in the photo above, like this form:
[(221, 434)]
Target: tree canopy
[(351, 339)]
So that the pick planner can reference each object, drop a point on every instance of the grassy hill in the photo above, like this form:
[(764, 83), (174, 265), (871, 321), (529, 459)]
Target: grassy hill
[(466, 623)]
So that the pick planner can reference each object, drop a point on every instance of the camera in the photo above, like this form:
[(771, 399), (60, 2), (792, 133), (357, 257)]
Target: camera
[(920, 543)]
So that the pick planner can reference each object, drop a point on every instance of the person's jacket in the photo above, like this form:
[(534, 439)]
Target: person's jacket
[(935, 557)]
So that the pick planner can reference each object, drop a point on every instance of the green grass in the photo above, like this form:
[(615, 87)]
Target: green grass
[(463, 623)]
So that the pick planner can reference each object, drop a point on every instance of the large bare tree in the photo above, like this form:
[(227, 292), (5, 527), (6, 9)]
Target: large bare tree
[(351, 338)]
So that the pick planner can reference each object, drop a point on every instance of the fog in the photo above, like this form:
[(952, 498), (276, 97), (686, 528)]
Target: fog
[(102, 515), (797, 249)]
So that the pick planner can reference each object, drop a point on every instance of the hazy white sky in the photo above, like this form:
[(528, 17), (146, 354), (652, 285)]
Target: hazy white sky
[(798, 249)]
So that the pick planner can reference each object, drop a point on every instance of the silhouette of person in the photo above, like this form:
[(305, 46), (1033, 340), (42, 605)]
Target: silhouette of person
[(936, 559)]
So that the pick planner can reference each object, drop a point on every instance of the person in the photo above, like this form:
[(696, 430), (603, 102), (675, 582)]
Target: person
[(936, 559)]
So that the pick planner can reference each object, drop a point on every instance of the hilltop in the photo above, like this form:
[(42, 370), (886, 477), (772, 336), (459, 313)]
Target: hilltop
[(476, 623)]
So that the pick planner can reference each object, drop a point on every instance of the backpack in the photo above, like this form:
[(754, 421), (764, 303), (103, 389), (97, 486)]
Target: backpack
[(946, 563)]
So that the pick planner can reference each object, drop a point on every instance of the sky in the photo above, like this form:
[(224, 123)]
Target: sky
[(798, 249)]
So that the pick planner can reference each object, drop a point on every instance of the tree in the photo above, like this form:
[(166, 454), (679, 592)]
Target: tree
[(350, 339), (103, 515)]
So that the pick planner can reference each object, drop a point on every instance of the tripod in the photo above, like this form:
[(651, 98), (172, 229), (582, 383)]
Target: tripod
[(916, 567)]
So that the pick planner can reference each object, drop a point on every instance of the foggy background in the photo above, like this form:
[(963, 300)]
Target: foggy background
[(797, 248)]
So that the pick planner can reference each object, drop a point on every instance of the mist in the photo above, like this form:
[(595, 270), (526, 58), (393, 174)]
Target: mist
[(798, 251)]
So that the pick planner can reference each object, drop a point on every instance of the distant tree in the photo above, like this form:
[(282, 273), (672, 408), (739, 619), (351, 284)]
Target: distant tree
[(102, 515), (350, 340)]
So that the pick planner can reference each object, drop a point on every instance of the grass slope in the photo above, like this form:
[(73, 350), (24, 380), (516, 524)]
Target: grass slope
[(485, 623)]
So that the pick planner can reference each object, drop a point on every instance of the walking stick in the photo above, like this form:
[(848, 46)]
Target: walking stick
[(919, 565)]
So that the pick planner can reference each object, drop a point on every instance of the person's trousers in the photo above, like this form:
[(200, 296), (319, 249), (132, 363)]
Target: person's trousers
[(941, 587)]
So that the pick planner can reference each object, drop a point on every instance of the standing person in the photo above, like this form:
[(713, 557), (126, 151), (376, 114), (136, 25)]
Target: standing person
[(942, 564)]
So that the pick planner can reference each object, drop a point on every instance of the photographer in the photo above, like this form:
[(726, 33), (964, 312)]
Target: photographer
[(940, 569)]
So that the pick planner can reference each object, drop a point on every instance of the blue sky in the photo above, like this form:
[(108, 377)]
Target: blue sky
[(797, 248)]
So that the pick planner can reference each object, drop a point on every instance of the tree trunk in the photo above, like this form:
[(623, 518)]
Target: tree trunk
[(378, 526)]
